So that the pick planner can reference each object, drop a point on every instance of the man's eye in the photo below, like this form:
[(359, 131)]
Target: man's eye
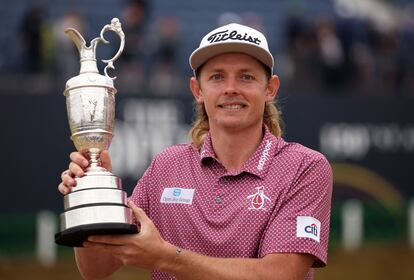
[(216, 77), (247, 77)]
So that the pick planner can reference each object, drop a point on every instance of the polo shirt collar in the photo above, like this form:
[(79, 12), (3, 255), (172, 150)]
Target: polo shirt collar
[(206, 150), (258, 164)]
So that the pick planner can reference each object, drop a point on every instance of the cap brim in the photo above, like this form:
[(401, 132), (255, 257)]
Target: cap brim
[(201, 55)]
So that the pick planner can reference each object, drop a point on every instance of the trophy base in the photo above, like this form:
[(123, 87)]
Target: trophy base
[(75, 236)]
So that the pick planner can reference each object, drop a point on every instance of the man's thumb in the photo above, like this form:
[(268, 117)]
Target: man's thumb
[(106, 160), (139, 214)]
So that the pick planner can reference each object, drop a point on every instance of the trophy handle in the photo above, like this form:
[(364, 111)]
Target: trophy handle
[(115, 26)]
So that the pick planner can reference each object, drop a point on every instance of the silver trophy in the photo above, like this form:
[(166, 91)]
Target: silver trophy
[(97, 205)]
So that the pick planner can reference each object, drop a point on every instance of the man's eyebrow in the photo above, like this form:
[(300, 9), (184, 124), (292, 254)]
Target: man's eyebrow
[(222, 70), (246, 70), (215, 70)]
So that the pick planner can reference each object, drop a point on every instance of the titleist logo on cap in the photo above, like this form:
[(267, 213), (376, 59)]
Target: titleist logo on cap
[(233, 35)]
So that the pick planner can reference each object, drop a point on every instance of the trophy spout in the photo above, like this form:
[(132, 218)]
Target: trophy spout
[(76, 38), (87, 53)]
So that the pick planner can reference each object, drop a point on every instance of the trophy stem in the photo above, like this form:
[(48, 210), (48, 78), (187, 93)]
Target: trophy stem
[(95, 162), (94, 159)]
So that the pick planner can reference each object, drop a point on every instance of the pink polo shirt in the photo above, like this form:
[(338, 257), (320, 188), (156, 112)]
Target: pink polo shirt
[(278, 202)]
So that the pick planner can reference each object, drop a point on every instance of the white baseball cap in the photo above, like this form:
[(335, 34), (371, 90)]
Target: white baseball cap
[(233, 37)]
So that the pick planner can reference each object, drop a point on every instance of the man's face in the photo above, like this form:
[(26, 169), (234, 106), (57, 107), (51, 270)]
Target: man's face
[(234, 88)]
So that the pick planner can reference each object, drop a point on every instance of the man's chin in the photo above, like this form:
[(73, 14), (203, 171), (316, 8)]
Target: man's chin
[(234, 125)]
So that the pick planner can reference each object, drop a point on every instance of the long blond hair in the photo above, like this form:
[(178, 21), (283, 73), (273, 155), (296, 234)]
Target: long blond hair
[(200, 128)]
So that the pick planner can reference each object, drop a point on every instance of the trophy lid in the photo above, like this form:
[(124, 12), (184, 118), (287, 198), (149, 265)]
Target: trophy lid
[(89, 75), (89, 80)]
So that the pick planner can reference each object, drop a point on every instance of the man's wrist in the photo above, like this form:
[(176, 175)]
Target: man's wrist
[(170, 258)]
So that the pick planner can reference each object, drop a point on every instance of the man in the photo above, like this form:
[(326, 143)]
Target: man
[(238, 202)]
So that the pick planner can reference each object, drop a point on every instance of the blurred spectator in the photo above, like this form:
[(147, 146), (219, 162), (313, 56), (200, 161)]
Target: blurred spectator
[(359, 71), (229, 17), (31, 30), (67, 56), (254, 20), (330, 53), (388, 63), (407, 47), (302, 50), (134, 17), (133, 61), (165, 75)]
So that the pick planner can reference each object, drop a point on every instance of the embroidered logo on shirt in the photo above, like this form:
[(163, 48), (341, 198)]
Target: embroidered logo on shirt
[(257, 200), (265, 155), (177, 195), (307, 226)]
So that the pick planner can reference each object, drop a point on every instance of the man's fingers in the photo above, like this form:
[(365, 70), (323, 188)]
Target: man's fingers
[(78, 162), (65, 173), (63, 189), (67, 182), (112, 240), (75, 169), (113, 249), (67, 178), (79, 159)]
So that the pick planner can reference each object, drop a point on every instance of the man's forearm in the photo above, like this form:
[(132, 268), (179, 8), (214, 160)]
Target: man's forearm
[(150, 251), (94, 264), (190, 265), (195, 266)]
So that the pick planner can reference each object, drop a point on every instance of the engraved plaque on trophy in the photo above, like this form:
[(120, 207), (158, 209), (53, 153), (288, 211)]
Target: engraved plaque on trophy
[(97, 204)]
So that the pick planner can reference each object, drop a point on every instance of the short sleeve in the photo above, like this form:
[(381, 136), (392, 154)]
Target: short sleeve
[(139, 195), (301, 222)]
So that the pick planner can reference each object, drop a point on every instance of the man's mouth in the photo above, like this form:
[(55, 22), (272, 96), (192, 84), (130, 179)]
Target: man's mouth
[(232, 106)]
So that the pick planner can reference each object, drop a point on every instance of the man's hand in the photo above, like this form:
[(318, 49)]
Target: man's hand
[(77, 168), (147, 249)]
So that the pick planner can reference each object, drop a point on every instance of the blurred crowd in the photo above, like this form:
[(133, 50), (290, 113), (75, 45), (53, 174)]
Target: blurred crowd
[(350, 55), (147, 64), (322, 54)]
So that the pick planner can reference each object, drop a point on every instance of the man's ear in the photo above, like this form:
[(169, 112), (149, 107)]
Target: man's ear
[(272, 88), (196, 90)]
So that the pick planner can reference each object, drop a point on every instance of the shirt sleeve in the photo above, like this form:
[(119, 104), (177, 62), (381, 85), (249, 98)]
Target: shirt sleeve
[(301, 222), (139, 195)]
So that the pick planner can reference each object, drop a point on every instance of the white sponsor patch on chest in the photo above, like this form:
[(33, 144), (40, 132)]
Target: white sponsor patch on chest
[(307, 226), (177, 195)]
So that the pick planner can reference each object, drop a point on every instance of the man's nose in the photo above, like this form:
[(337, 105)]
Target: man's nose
[(231, 86)]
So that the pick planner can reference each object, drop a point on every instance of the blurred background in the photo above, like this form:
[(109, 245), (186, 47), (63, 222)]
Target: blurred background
[(347, 90)]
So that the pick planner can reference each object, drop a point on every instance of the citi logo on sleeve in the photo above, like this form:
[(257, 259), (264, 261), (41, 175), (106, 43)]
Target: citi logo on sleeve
[(312, 229), (307, 226)]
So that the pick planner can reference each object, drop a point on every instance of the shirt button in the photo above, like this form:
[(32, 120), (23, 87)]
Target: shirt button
[(218, 199)]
